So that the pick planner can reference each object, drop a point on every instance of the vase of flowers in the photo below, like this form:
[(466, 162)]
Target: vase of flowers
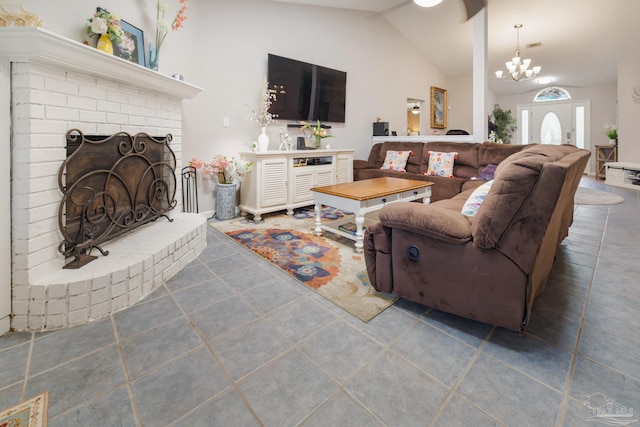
[(107, 25), (163, 26), (263, 116), (612, 133), (229, 171), (318, 133)]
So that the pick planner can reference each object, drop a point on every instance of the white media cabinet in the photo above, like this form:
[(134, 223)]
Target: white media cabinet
[(623, 174), (281, 180)]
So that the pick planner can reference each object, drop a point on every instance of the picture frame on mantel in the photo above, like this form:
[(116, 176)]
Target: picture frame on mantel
[(131, 46), (438, 108)]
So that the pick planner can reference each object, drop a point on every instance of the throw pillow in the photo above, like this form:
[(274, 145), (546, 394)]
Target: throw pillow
[(396, 160), (441, 164), (488, 172), (476, 198)]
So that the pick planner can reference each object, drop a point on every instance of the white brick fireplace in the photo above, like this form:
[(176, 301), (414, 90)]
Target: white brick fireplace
[(49, 85)]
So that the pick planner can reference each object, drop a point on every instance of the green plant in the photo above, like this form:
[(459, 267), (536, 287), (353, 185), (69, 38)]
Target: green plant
[(611, 131), (505, 124)]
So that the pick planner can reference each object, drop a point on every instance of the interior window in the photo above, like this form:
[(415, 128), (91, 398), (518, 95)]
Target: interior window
[(552, 94)]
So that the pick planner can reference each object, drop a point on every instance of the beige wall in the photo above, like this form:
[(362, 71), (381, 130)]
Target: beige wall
[(628, 110)]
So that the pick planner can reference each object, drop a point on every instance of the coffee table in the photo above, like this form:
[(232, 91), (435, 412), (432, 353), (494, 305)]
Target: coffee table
[(362, 197)]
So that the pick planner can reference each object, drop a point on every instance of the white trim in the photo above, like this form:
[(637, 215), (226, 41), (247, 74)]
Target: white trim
[(5, 196)]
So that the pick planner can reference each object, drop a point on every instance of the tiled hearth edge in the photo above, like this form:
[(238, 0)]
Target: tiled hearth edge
[(137, 265)]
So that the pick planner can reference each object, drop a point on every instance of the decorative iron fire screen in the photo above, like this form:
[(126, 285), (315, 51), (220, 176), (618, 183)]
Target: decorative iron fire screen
[(112, 185)]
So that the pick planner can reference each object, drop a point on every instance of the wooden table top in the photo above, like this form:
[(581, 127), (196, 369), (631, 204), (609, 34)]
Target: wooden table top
[(372, 188)]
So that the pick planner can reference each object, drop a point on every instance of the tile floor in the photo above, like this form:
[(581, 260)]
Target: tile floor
[(232, 341)]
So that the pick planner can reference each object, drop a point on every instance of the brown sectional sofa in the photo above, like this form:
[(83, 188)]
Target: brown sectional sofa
[(489, 267), (472, 159)]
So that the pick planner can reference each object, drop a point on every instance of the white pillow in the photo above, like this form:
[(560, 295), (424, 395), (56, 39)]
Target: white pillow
[(441, 164), (396, 160), (476, 198)]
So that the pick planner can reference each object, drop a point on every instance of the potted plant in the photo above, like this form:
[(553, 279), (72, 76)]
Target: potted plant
[(612, 133), (504, 122)]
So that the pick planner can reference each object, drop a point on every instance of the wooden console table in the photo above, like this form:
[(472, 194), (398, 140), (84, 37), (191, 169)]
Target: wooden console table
[(605, 154)]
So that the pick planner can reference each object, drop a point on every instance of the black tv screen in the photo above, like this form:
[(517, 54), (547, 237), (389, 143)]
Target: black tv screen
[(306, 91)]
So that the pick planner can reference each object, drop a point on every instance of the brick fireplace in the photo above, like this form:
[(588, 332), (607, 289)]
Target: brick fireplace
[(55, 84)]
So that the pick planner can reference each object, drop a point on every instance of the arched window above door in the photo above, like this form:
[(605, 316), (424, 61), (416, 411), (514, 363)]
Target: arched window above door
[(552, 94)]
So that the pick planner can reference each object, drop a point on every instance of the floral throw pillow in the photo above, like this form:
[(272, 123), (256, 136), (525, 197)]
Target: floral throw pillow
[(476, 198), (441, 164), (396, 160)]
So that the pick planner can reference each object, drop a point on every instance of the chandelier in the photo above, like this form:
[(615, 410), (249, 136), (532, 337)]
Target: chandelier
[(518, 68)]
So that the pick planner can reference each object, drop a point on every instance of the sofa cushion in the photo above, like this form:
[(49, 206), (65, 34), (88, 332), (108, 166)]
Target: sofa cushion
[(476, 198), (441, 163), (413, 163), (466, 165), (396, 160)]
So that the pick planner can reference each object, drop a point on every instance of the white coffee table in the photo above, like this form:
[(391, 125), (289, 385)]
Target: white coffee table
[(362, 197)]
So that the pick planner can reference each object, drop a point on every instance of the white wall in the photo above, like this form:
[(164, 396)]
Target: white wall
[(223, 48), (629, 111), (460, 98)]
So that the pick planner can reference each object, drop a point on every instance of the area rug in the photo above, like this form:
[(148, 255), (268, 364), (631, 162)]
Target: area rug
[(30, 413), (590, 196), (327, 264)]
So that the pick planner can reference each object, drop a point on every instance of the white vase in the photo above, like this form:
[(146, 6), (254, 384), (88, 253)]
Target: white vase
[(263, 140), (613, 141)]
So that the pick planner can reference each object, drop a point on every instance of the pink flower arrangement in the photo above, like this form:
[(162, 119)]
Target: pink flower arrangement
[(229, 170), (163, 26)]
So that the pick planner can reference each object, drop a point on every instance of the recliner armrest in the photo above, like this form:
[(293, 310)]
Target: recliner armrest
[(428, 220)]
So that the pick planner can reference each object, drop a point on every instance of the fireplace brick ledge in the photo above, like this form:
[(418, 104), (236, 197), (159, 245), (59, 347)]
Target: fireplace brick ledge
[(114, 282)]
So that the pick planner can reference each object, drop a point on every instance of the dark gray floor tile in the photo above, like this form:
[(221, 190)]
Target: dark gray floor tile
[(225, 410), (545, 362), (202, 295), (340, 350), (397, 393), (340, 410), (189, 276), (556, 300), (149, 349), (79, 381), (214, 320), (553, 327), (286, 390), (113, 410), (11, 395), (438, 354), (300, 318), (228, 264), (247, 348), (168, 393), (412, 308), (610, 350), (145, 315), (460, 413), (386, 326), (59, 347), (11, 339), (270, 295), (508, 395), (256, 275), (614, 314), (467, 330), (14, 364), (591, 377)]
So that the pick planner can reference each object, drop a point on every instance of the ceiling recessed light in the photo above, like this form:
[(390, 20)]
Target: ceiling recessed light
[(427, 3), (544, 80)]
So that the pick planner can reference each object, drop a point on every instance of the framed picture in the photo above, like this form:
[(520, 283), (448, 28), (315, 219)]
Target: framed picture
[(438, 108), (131, 46)]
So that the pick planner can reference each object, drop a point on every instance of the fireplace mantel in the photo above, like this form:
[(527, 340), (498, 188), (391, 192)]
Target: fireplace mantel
[(30, 44)]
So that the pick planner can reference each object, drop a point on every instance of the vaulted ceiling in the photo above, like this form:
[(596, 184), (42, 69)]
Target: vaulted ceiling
[(580, 40)]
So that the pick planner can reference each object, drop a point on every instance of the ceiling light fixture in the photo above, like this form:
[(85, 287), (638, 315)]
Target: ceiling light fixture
[(518, 69), (427, 3), (416, 109)]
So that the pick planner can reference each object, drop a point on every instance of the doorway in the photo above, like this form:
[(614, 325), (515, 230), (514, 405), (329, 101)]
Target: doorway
[(414, 116), (555, 122)]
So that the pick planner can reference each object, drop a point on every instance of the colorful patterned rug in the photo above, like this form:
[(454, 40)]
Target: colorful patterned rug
[(327, 264), (30, 413)]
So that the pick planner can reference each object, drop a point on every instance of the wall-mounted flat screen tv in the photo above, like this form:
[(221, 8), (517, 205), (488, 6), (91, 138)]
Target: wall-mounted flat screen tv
[(306, 91)]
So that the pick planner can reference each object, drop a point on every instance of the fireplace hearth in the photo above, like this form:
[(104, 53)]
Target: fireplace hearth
[(112, 185)]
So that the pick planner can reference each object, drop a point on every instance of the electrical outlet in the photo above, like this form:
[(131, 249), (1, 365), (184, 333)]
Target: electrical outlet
[(226, 122)]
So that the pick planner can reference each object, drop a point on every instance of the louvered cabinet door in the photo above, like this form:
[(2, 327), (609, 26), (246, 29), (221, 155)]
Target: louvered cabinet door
[(273, 179)]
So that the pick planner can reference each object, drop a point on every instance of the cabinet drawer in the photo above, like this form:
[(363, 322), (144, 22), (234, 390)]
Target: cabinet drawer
[(381, 201), (419, 193)]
